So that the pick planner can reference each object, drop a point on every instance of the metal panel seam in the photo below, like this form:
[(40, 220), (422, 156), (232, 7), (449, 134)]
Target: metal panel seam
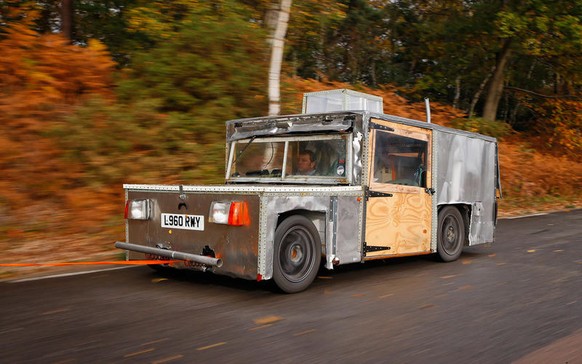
[(261, 249), (435, 168)]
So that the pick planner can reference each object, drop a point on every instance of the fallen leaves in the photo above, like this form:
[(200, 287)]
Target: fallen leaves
[(267, 320)]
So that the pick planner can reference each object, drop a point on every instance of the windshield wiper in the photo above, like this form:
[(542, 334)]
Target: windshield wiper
[(244, 149)]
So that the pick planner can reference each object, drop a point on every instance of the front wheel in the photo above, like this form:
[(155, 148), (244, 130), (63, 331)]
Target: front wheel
[(451, 234), (297, 254)]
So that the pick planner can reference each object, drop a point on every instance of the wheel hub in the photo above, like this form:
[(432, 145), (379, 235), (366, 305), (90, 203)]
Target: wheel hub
[(295, 253), (451, 235)]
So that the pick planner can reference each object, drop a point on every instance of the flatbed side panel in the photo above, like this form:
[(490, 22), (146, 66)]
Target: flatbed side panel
[(467, 175), (237, 246)]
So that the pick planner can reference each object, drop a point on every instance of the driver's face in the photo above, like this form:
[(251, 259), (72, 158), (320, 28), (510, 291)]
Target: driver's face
[(305, 164)]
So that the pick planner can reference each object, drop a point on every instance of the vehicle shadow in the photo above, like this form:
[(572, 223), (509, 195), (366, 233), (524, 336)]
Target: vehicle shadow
[(356, 272)]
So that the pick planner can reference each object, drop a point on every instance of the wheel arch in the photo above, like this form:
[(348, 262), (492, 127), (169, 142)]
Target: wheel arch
[(317, 218)]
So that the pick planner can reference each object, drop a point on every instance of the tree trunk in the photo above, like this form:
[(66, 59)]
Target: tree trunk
[(477, 94), (67, 18), (277, 44), (496, 86), (457, 92)]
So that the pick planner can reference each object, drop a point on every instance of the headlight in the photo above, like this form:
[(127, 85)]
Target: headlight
[(235, 213), (138, 209), (219, 212)]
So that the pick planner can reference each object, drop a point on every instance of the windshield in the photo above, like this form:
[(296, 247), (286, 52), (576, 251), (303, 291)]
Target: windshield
[(306, 158)]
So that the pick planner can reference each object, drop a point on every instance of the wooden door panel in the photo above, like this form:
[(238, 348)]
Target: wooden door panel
[(401, 222), (398, 214)]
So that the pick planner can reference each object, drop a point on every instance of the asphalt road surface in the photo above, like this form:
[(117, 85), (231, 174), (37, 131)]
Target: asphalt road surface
[(519, 300)]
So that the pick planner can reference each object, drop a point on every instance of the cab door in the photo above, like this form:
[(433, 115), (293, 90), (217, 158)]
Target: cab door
[(399, 199)]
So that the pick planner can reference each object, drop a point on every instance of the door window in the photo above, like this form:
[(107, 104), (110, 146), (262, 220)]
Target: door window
[(400, 160)]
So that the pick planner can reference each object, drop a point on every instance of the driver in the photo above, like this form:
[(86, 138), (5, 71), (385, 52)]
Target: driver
[(306, 163)]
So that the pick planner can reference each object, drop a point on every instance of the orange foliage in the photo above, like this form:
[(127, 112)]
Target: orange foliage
[(560, 126), (42, 77), (529, 176), (394, 104)]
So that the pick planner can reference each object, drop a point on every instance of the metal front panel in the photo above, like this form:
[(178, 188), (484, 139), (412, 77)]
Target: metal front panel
[(316, 206), (467, 175), (349, 229), (237, 246)]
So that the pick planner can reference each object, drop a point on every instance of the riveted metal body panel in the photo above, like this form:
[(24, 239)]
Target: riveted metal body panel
[(248, 250), (464, 171), (235, 245), (339, 234), (467, 175)]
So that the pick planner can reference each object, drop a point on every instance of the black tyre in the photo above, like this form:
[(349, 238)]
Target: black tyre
[(451, 234), (297, 254)]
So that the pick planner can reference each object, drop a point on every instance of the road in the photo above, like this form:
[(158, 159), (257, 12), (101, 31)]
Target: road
[(519, 300)]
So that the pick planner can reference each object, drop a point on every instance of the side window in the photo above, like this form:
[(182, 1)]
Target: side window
[(399, 160)]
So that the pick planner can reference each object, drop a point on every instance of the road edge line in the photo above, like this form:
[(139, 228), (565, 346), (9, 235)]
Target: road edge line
[(68, 274)]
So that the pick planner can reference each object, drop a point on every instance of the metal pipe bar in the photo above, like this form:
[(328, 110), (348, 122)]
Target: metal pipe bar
[(215, 262)]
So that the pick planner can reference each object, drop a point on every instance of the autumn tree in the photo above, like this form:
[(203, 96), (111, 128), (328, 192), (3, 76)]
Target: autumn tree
[(42, 79)]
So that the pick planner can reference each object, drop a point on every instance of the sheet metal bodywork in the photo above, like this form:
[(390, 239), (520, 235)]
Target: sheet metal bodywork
[(468, 175), (248, 250), (464, 173), (235, 244), (336, 212)]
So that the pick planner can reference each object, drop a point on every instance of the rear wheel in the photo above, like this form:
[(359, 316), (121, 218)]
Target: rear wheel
[(451, 234), (297, 254)]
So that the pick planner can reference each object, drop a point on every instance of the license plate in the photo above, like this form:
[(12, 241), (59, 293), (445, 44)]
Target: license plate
[(183, 221)]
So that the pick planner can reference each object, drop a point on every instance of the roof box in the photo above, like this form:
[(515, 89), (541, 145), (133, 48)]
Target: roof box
[(340, 100)]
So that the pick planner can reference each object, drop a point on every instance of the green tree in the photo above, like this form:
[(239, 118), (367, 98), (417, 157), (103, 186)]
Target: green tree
[(357, 46), (80, 20), (461, 52), (310, 36), (211, 68), (550, 31)]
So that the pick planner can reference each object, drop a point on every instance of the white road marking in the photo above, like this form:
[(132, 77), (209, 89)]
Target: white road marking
[(69, 274), (524, 216)]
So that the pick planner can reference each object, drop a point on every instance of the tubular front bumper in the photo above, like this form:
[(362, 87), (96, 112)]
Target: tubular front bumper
[(172, 254)]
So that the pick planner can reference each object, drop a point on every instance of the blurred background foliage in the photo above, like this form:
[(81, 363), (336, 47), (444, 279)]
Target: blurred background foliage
[(94, 94)]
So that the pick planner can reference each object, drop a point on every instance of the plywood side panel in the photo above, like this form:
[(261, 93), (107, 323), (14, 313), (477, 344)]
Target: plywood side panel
[(402, 222)]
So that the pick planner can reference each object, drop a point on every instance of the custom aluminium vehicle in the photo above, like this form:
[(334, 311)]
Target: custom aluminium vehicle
[(378, 186)]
